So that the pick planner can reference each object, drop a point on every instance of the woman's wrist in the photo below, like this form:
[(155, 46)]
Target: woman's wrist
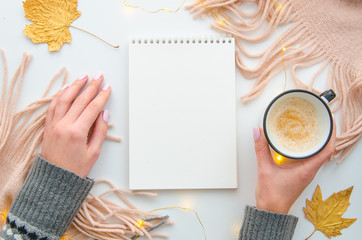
[(267, 201), (276, 208)]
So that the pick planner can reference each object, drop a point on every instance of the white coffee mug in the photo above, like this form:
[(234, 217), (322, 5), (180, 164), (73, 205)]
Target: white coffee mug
[(298, 124)]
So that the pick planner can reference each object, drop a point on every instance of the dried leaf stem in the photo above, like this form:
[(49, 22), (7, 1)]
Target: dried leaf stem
[(311, 234), (94, 36)]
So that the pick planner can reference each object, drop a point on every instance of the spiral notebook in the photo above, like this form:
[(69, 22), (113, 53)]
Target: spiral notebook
[(182, 114)]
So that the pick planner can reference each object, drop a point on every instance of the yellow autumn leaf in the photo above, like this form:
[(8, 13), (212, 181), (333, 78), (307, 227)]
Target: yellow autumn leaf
[(52, 19), (326, 216)]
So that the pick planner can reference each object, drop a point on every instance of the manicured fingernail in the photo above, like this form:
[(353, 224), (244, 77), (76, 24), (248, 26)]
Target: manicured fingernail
[(64, 87), (98, 76), (105, 87), (83, 76), (256, 133), (105, 115)]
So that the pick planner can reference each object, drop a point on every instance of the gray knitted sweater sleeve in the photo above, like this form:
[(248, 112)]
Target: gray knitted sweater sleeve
[(263, 225), (46, 204)]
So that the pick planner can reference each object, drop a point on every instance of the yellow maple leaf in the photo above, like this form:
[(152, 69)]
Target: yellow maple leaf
[(326, 216), (52, 19)]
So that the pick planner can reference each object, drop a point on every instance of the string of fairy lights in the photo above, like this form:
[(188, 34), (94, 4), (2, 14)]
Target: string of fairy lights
[(281, 40), (140, 222), (155, 11)]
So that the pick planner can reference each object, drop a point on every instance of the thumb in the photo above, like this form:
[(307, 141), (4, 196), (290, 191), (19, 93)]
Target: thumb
[(98, 135), (261, 146)]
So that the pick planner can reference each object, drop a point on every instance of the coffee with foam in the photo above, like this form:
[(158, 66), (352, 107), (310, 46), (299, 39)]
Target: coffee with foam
[(295, 124)]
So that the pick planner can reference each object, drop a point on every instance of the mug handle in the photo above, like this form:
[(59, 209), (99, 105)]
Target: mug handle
[(328, 95)]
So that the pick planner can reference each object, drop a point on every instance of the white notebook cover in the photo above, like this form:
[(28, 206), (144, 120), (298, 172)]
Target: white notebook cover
[(182, 114)]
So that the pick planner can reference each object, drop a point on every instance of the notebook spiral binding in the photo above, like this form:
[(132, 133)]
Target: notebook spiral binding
[(188, 40)]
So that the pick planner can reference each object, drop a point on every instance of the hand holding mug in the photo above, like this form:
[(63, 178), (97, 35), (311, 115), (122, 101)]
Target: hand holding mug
[(279, 186), (298, 137)]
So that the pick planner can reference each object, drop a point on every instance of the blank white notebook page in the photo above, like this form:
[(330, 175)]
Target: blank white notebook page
[(182, 114)]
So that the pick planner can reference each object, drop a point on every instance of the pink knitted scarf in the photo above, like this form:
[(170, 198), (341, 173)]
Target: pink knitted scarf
[(325, 32)]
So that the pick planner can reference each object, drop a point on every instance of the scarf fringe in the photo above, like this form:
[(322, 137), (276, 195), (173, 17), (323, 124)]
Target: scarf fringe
[(21, 134), (301, 52), (102, 219)]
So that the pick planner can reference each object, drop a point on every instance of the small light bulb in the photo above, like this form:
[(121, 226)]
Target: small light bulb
[(187, 204), (284, 49), (140, 223), (3, 215), (279, 159)]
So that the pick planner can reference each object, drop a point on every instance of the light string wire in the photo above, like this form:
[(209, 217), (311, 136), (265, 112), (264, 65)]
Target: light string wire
[(220, 21), (156, 11), (141, 221), (281, 40)]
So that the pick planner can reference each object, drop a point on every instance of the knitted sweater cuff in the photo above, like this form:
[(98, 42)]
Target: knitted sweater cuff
[(49, 198), (264, 225)]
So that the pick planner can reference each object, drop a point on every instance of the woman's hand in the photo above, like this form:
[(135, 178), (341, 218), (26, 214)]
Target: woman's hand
[(70, 120), (279, 186)]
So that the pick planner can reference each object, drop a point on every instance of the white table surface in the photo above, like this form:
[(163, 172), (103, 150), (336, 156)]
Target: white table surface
[(221, 211)]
